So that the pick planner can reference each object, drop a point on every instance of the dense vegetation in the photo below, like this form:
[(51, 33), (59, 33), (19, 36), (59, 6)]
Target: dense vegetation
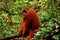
[(49, 16)]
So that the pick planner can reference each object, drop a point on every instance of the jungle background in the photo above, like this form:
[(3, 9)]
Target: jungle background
[(48, 11)]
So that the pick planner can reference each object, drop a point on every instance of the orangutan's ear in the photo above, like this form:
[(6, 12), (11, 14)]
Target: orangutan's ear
[(36, 9)]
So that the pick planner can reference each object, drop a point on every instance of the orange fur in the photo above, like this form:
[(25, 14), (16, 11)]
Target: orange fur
[(30, 24)]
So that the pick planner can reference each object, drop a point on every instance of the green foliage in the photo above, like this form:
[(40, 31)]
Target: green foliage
[(44, 31), (57, 37)]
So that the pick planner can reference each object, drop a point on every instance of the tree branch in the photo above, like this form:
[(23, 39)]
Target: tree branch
[(10, 37)]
